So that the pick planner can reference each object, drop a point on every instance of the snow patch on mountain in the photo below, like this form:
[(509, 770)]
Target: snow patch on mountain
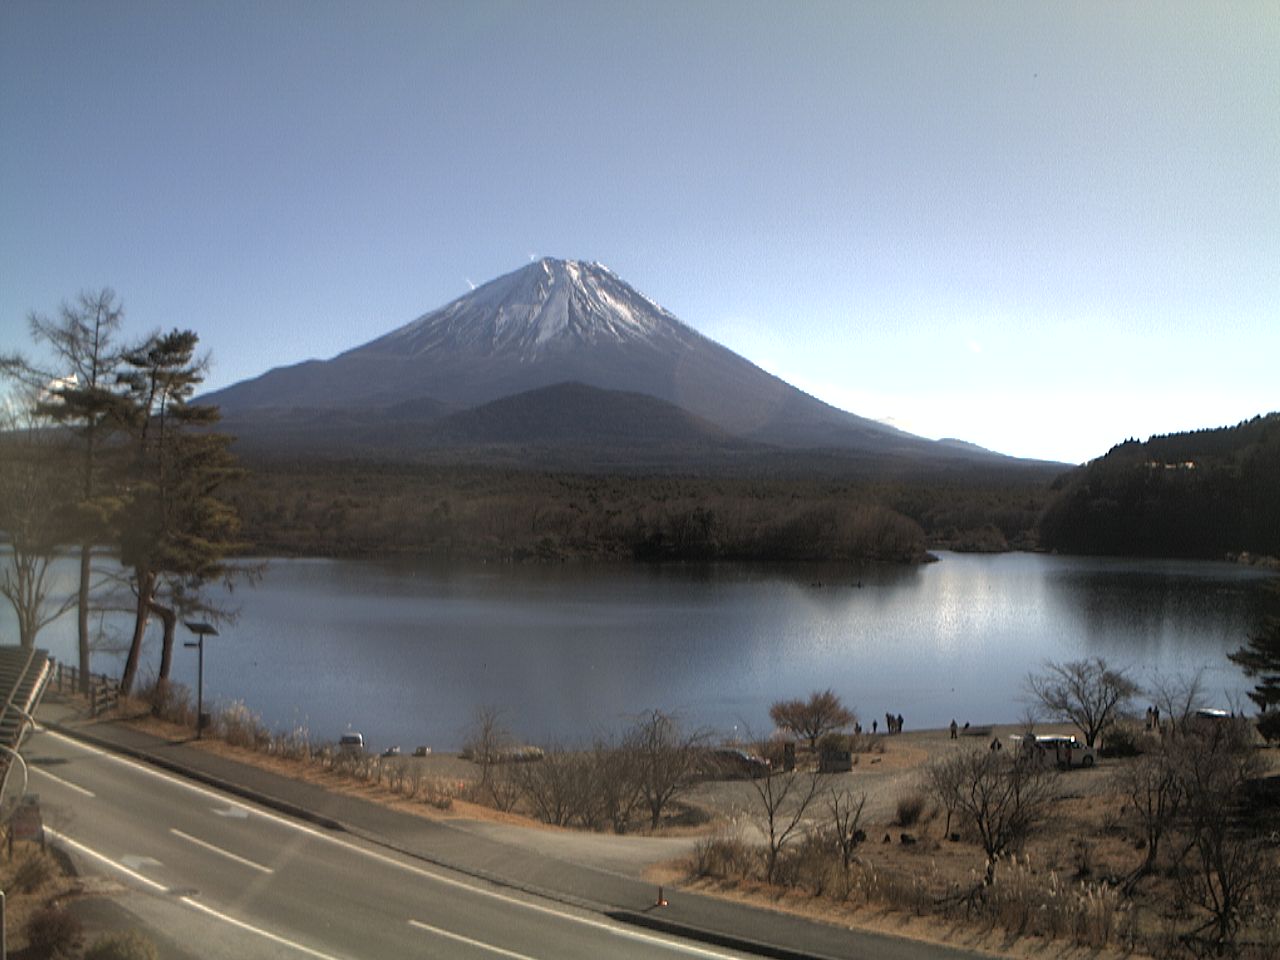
[(548, 305)]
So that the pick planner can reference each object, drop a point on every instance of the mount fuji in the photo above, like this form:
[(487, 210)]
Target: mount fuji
[(588, 349)]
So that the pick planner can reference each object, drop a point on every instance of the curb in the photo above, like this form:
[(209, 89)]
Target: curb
[(726, 940), (266, 800)]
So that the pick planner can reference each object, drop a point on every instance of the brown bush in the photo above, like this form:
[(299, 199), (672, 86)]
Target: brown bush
[(910, 807), (52, 932), (122, 946), (33, 873), (724, 858)]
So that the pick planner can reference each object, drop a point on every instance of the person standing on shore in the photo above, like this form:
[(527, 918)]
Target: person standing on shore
[(955, 731)]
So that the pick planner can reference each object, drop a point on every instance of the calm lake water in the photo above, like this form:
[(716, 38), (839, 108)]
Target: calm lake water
[(405, 652)]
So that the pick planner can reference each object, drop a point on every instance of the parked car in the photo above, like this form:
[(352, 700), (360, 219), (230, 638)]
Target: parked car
[(351, 743)]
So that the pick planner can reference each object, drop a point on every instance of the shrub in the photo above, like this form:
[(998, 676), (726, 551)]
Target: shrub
[(1121, 741), (33, 873), (293, 745), (241, 727), (52, 931), (438, 794), (812, 864), (723, 858), (122, 946), (170, 701), (910, 807)]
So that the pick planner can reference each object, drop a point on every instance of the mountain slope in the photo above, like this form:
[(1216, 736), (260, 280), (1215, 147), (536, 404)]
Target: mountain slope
[(553, 322), (564, 321)]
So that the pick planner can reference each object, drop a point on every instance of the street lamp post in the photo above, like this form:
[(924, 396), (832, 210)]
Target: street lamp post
[(201, 630)]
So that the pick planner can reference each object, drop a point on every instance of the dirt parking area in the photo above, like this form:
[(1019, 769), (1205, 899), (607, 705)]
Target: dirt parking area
[(892, 771)]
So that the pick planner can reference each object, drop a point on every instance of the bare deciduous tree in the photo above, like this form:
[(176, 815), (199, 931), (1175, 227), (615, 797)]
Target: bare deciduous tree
[(486, 739), (1088, 693), (555, 785), (999, 795), (1178, 696), (1151, 785), (846, 824), (1224, 867), (616, 789), (784, 798), (665, 758), (34, 502)]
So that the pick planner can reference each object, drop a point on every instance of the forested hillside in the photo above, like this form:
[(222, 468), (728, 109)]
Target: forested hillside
[(358, 508), (1208, 493)]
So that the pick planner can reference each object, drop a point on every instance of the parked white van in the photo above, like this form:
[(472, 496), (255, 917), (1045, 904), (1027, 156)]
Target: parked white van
[(1062, 751)]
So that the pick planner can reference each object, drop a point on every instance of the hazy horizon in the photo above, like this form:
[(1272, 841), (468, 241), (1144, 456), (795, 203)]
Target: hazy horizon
[(1040, 230)]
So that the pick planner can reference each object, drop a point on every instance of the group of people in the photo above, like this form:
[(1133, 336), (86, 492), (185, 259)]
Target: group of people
[(1153, 717), (892, 724)]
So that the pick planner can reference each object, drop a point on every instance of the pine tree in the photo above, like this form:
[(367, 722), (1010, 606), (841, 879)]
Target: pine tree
[(1260, 658), (175, 533)]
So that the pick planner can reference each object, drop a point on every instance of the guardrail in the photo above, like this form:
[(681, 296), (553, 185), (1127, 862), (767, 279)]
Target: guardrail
[(104, 691)]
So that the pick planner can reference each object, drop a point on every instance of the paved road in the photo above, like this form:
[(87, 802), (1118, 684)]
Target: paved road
[(225, 878)]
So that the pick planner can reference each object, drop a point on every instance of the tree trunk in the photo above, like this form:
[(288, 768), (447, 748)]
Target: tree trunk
[(82, 613), (170, 621), (146, 593)]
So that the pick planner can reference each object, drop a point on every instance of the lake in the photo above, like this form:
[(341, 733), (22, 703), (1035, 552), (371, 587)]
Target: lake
[(405, 652)]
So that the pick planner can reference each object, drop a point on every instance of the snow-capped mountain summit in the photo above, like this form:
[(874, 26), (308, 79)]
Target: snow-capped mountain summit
[(549, 305), (556, 322)]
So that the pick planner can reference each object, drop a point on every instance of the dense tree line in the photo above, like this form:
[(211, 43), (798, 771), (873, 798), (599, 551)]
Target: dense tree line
[(105, 453), (360, 508), (1202, 494)]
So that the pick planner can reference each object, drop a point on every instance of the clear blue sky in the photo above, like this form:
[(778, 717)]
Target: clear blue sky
[(1043, 228)]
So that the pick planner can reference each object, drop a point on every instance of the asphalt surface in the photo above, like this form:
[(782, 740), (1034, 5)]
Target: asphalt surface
[(287, 869)]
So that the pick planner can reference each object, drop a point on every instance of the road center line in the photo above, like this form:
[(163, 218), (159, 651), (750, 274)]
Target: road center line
[(478, 944), (66, 783), (189, 901), (218, 850)]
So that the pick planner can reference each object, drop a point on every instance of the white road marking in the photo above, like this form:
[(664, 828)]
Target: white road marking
[(150, 771), (616, 930), (233, 812), (137, 863), (479, 944), (66, 783), (189, 901), (218, 850), (265, 934), (102, 858)]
